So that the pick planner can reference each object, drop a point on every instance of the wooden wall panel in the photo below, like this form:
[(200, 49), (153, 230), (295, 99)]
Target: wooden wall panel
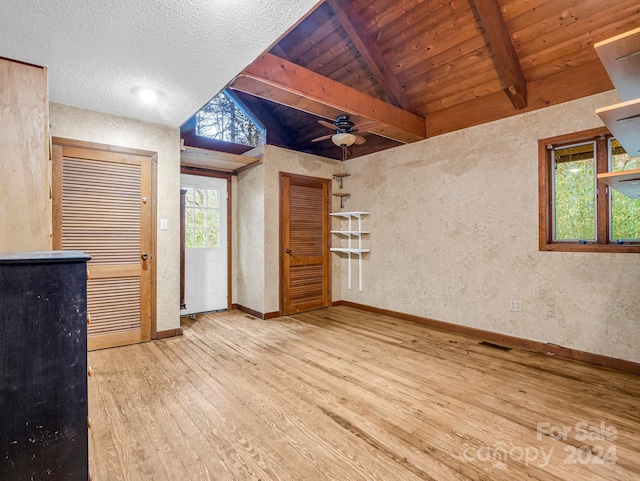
[(551, 24), (25, 189)]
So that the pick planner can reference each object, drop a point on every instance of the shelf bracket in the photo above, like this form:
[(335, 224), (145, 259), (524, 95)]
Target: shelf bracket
[(340, 178), (343, 198)]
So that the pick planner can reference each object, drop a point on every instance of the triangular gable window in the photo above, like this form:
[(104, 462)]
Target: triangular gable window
[(223, 119)]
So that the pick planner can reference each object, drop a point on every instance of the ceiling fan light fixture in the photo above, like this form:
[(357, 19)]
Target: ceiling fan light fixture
[(343, 139)]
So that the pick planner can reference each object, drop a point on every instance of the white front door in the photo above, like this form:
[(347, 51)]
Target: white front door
[(205, 240)]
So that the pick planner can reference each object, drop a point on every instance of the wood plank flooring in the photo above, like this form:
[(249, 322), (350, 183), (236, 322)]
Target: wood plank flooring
[(340, 394)]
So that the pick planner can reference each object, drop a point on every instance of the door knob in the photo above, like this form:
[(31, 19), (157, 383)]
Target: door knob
[(144, 256), (287, 251)]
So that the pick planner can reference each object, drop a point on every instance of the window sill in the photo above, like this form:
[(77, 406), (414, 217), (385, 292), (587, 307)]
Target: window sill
[(604, 248)]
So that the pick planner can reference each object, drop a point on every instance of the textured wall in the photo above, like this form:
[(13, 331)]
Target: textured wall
[(249, 253), (454, 223), (281, 160), (234, 239), (258, 256), (79, 124)]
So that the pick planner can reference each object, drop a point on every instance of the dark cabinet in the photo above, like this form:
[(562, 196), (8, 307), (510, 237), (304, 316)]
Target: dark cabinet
[(43, 366)]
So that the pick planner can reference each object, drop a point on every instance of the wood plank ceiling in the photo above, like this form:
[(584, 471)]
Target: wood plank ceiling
[(447, 64)]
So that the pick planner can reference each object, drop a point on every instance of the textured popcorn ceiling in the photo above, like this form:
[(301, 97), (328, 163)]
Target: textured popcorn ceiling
[(99, 51)]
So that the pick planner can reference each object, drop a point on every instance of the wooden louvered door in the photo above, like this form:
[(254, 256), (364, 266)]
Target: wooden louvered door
[(102, 206), (305, 243)]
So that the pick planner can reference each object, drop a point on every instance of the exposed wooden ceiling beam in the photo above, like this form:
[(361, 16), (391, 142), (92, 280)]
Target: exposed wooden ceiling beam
[(275, 79), (506, 57), (369, 51)]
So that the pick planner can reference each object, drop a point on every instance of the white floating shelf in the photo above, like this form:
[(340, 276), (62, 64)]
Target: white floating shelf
[(623, 121), (627, 182), (620, 56), (348, 215), (349, 251), (351, 232)]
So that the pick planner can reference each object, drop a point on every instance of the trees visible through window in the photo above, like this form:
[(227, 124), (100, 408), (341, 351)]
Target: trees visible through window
[(578, 212), (625, 212), (574, 192), (222, 119), (202, 218)]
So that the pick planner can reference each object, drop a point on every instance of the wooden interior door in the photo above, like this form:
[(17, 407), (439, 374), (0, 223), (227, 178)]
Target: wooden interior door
[(102, 206), (304, 229)]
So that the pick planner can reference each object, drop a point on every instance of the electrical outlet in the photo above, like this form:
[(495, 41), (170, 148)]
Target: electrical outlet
[(515, 306), (551, 310)]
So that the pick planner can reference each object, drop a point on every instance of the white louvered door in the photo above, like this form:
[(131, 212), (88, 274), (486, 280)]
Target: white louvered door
[(105, 211)]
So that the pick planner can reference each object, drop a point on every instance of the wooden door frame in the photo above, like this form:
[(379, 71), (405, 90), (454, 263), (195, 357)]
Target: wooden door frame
[(281, 221), (56, 195), (202, 172)]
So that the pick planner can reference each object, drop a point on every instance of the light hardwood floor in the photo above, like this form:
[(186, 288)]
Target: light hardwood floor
[(340, 394)]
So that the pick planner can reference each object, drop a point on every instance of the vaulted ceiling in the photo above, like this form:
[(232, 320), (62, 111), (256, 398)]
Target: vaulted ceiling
[(421, 68)]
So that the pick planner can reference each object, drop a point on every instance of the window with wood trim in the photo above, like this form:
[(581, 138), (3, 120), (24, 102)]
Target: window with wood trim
[(578, 212)]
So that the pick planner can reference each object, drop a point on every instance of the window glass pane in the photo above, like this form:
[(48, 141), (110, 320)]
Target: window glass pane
[(221, 119), (625, 212), (200, 197), (625, 217), (200, 218), (212, 238), (574, 193), (212, 219), (189, 196), (189, 241), (212, 198), (200, 240), (619, 159), (189, 218)]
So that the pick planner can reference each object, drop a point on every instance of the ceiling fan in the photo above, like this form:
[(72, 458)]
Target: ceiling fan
[(345, 131)]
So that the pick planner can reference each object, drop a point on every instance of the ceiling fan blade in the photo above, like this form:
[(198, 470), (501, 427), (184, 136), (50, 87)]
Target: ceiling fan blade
[(327, 124), (324, 137), (365, 126), (360, 140)]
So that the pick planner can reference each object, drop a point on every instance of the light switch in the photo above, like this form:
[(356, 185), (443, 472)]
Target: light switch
[(164, 224)]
